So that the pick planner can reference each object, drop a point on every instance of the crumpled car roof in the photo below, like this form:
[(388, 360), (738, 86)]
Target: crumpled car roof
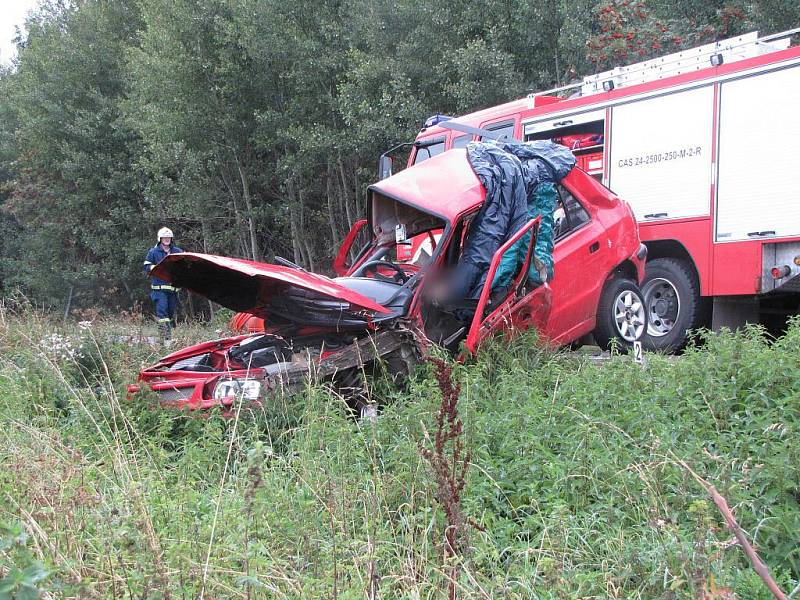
[(444, 185)]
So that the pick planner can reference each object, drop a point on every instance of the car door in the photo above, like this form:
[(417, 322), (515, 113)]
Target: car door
[(579, 257), (521, 309)]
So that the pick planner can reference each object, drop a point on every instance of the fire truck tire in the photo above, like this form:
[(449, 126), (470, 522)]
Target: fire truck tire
[(621, 315), (672, 297)]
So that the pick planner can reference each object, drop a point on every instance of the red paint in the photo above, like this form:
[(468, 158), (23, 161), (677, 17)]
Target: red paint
[(245, 322), (737, 269), (479, 329), (444, 185), (694, 235), (340, 262), (407, 253), (271, 280)]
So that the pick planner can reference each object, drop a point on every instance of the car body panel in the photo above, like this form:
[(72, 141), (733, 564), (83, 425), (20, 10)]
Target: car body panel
[(588, 256), (482, 328), (425, 188), (583, 260), (248, 286)]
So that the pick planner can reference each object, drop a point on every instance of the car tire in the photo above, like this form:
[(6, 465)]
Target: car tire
[(672, 297), (621, 315), (351, 385)]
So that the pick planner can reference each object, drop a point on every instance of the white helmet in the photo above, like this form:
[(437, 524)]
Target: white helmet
[(164, 232)]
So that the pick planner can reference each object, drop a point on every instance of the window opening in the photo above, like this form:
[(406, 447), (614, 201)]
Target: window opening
[(585, 139), (426, 151), (569, 214), (461, 141), (506, 128)]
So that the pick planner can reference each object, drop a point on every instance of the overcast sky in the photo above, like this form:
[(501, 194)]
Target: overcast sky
[(12, 13)]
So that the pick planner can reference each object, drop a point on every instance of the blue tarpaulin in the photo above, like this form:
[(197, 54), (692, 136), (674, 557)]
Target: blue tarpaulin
[(544, 164), (519, 180), (504, 212)]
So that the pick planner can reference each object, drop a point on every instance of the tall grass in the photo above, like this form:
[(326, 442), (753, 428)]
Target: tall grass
[(573, 482)]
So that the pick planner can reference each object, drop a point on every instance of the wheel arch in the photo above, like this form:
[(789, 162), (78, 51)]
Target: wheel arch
[(625, 270), (673, 249)]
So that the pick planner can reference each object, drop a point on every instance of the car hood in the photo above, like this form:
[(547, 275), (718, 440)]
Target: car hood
[(254, 287)]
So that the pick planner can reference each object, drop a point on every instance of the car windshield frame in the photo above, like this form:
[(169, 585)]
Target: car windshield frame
[(378, 251)]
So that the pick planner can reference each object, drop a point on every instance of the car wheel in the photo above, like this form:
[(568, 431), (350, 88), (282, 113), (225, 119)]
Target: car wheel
[(621, 315), (672, 297), (351, 384)]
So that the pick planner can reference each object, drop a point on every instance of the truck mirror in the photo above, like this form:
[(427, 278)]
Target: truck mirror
[(385, 166)]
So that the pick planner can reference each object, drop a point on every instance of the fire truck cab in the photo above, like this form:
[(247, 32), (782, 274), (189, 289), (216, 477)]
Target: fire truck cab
[(702, 145)]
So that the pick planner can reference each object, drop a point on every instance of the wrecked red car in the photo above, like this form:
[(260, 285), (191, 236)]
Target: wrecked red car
[(385, 308)]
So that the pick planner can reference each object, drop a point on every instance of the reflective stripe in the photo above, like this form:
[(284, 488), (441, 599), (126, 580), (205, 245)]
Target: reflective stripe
[(147, 262), (164, 320), (163, 288)]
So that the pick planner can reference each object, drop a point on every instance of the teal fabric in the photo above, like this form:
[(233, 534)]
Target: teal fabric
[(544, 205)]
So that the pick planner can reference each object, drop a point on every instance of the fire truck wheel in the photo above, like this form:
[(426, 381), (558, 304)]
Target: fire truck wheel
[(621, 315), (672, 297)]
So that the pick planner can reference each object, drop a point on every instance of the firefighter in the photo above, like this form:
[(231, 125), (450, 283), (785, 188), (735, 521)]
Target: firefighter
[(163, 295)]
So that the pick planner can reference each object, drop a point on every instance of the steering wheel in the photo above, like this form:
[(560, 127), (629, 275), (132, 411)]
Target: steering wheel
[(372, 266)]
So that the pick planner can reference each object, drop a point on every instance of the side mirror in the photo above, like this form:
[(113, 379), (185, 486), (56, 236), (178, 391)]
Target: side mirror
[(340, 263), (385, 166)]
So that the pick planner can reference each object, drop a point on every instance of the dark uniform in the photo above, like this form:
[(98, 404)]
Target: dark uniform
[(163, 295)]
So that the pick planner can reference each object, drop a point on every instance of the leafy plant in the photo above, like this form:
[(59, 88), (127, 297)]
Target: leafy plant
[(572, 485), (23, 578)]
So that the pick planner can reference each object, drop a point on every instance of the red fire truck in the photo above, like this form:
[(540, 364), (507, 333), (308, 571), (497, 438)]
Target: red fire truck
[(703, 144)]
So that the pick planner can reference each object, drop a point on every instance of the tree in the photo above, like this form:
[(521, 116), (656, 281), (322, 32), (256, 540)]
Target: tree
[(74, 191), (9, 230), (195, 100), (253, 127)]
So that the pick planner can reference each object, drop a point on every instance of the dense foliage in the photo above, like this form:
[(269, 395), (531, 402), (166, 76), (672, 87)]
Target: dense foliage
[(251, 127), (573, 489)]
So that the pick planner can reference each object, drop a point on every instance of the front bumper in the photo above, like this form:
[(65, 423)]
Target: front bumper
[(195, 391)]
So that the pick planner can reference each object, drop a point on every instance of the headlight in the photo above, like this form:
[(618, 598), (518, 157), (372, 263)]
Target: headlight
[(247, 389)]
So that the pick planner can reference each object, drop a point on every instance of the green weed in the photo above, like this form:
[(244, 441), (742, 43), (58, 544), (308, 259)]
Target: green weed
[(572, 481)]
